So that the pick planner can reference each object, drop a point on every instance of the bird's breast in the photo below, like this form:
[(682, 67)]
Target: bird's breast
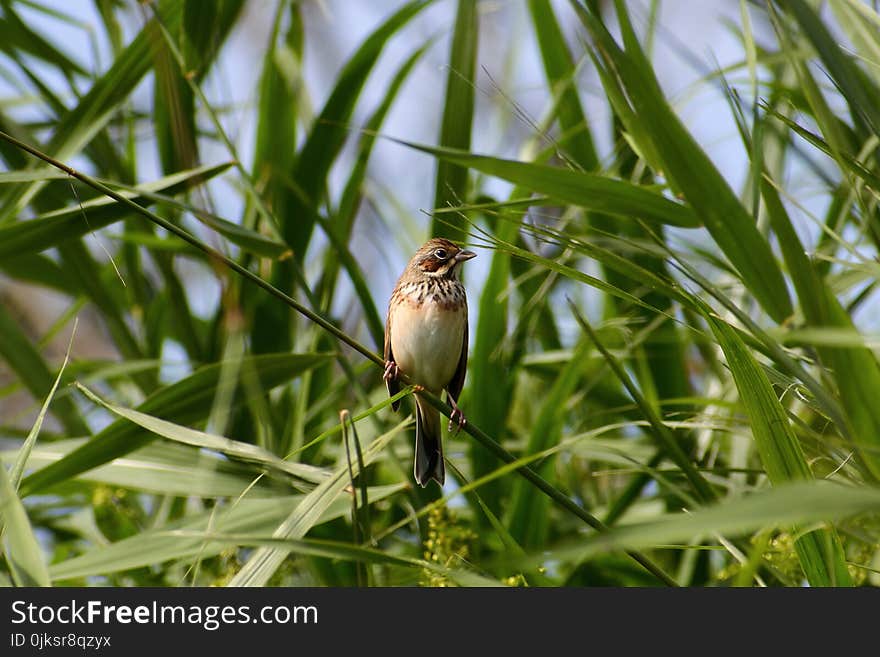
[(427, 333)]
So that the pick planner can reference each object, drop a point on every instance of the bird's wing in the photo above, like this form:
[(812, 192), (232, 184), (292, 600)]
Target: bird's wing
[(457, 382), (393, 385)]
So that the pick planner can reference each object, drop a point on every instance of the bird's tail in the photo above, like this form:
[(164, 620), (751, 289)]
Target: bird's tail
[(429, 450)]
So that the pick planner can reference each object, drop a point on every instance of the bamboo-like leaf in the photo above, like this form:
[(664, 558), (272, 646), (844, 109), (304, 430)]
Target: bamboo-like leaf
[(666, 440), (488, 399), (796, 503), (308, 177), (186, 401), (835, 131), (83, 269), (861, 95), (96, 108), (343, 221), (529, 509), (49, 229), (186, 538), (19, 37), (590, 191), (846, 160), (232, 448), (39, 269), (249, 240), (25, 450), (164, 468), (690, 169), (18, 350), (820, 551), (206, 32), (576, 141), (31, 175), (265, 561), (853, 366), (328, 133), (23, 553), (450, 187), (280, 87), (174, 113)]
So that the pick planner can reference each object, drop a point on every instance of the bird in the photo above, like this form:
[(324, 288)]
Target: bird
[(426, 338)]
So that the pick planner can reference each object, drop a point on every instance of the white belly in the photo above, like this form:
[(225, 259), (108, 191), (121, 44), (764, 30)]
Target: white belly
[(427, 342)]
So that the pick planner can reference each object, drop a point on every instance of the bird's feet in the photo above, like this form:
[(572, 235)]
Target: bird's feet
[(456, 418), (392, 371)]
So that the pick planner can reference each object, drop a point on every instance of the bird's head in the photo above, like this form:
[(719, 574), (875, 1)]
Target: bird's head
[(439, 258)]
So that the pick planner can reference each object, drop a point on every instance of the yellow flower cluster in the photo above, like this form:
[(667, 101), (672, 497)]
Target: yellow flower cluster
[(448, 542)]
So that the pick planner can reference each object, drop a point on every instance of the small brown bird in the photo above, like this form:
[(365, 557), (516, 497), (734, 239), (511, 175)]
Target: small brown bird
[(426, 338)]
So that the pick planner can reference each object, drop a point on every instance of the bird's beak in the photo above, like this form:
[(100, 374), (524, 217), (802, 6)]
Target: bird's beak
[(461, 256)]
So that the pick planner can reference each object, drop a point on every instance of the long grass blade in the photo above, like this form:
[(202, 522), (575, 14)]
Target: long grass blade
[(186, 401), (820, 551), (24, 555), (450, 187)]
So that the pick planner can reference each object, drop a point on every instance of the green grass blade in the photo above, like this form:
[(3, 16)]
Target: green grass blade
[(41, 270), (265, 561), (340, 551), (164, 468), (174, 113), (308, 178), (844, 159), (576, 141), (487, 399), (834, 130), (796, 503), (665, 438), (23, 553), (51, 228), (528, 521), (186, 401), (691, 170), (589, 191), (857, 373), (793, 252), (329, 130), (341, 224), (83, 269), (185, 539), (233, 449), (362, 289), (451, 183), (353, 193), (32, 175), (860, 94), (97, 107), (277, 111), (204, 33), (820, 551), (18, 350), (248, 239), (855, 369), (24, 452), (18, 37)]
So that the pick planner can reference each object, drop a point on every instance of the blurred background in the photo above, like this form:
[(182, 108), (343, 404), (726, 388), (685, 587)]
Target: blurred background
[(673, 312)]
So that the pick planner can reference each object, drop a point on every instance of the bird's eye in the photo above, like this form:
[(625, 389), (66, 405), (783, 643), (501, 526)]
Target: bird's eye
[(441, 254)]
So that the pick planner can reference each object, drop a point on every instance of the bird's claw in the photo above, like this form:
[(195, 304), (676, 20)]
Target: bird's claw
[(392, 371), (456, 419)]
